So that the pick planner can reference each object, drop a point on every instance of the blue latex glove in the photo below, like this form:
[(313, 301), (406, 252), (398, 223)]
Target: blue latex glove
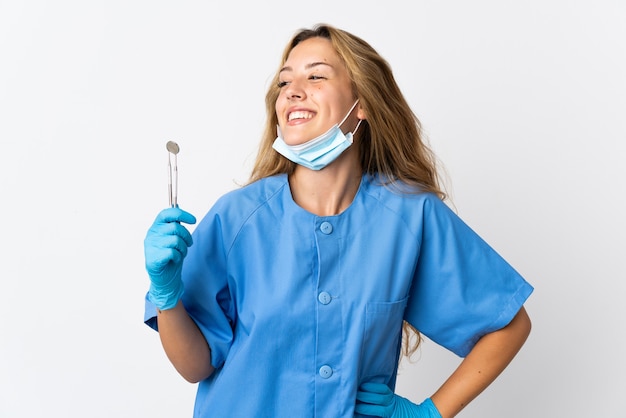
[(165, 247), (376, 399)]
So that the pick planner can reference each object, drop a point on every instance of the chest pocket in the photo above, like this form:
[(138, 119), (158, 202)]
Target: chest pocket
[(381, 339)]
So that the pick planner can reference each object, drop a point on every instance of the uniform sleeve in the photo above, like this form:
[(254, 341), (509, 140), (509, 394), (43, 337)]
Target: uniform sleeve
[(462, 289), (206, 296)]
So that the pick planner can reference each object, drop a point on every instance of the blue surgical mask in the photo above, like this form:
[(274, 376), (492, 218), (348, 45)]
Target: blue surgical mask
[(321, 151)]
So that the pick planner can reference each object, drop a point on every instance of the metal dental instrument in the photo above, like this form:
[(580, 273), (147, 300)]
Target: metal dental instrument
[(173, 149)]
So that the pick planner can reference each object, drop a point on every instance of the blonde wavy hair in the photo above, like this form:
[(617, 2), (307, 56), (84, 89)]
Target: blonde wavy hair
[(390, 141)]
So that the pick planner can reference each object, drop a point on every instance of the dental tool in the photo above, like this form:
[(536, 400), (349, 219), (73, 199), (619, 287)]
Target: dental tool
[(173, 149)]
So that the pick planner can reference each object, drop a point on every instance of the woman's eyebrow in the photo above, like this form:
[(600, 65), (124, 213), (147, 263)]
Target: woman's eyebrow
[(308, 66)]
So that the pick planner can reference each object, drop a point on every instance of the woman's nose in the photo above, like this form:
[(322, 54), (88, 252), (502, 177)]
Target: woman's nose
[(294, 91)]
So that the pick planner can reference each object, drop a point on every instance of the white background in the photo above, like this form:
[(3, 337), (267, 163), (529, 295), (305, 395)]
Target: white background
[(524, 102)]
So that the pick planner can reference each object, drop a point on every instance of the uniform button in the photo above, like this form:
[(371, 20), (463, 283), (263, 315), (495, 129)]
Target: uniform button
[(326, 372), (326, 228), (324, 298)]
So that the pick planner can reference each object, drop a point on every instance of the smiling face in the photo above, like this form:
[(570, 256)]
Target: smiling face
[(315, 92)]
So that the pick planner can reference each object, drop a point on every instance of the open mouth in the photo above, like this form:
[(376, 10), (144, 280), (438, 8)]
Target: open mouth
[(299, 114)]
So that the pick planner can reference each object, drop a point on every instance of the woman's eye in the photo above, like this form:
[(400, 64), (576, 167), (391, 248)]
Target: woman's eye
[(313, 77)]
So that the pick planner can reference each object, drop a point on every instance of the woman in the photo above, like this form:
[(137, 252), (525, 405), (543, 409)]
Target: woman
[(292, 300)]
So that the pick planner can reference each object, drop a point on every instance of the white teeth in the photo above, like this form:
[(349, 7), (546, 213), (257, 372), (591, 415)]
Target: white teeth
[(300, 115)]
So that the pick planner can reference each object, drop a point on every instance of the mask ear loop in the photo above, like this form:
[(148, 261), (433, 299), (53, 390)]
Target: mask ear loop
[(349, 113), (356, 129)]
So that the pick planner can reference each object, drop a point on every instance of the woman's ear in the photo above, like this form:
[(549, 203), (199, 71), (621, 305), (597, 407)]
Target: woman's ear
[(360, 113)]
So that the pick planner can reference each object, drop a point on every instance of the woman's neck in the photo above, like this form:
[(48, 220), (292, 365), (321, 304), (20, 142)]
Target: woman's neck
[(329, 191)]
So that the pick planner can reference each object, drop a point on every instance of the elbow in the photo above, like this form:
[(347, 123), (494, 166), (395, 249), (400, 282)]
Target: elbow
[(196, 375), (194, 368), (191, 379)]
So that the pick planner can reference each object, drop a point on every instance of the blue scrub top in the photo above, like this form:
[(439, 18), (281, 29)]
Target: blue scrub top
[(300, 309)]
